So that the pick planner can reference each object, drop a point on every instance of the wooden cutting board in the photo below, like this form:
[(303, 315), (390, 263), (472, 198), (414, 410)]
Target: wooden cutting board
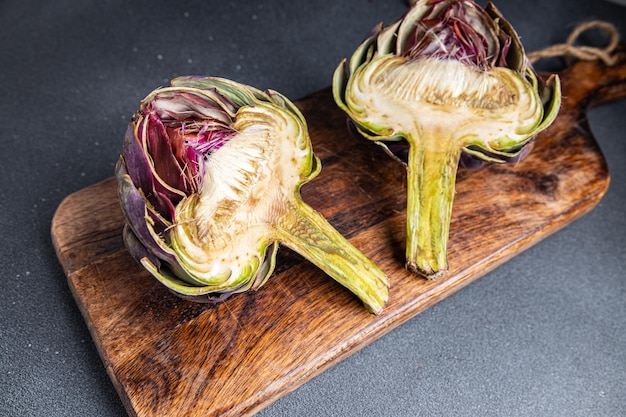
[(169, 357)]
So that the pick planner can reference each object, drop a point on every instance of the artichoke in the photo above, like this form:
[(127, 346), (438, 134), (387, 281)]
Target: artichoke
[(209, 183), (449, 78)]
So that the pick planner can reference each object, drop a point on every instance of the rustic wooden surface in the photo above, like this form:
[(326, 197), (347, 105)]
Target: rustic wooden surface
[(171, 357)]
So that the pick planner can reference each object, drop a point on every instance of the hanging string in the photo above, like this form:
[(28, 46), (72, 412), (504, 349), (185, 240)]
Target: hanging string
[(586, 53)]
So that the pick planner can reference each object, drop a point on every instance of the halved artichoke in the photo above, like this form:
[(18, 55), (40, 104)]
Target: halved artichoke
[(209, 183), (449, 77)]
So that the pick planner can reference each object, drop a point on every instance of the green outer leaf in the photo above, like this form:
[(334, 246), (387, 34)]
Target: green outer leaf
[(552, 101), (240, 95), (387, 39)]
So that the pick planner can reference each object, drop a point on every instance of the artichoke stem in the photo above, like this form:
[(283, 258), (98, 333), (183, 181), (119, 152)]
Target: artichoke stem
[(431, 175), (308, 233)]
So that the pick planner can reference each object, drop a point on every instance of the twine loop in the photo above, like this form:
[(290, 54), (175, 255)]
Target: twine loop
[(582, 52)]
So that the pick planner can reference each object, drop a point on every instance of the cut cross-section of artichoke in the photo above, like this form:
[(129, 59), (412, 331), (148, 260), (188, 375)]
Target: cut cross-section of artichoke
[(210, 185)]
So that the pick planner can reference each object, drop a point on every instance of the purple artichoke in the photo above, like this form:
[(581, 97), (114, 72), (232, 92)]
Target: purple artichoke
[(209, 184)]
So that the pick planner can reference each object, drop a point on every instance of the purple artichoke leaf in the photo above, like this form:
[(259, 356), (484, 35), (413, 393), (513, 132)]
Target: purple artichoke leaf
[(135, 162), (139, 169), (210, 298), (166, 165), (142, 220), (135, 211), (136, 249), (180, 105), (471, 162)]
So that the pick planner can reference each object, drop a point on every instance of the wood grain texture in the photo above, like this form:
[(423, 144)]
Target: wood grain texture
[(169, 357)]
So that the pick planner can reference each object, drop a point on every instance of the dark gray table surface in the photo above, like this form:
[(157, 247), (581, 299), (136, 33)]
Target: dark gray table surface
[(543, 335)]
